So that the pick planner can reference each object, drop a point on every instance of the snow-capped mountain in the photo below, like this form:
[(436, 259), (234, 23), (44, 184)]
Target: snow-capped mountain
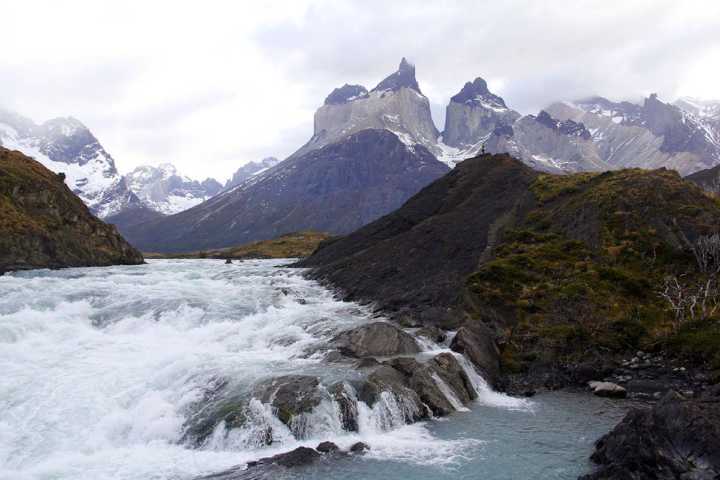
[(65, 145), (395, 104), (652, 135), (473, 114), (548, 144), (162, 189), (250, 169)]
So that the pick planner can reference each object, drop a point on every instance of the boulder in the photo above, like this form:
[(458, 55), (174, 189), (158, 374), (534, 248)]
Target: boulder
[(377, 339), (675, 439), (294, 458), (607, 389), (448, 368), (291, 395), (387, 379), (359, 447), (327, 447), (433, 334), (476, 341), (344, 395), (419, 378), (232, 411)]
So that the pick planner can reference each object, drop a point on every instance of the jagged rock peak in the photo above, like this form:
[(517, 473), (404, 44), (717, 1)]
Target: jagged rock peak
[(403, 77), (346, 93), (476, 92), (568, 127)]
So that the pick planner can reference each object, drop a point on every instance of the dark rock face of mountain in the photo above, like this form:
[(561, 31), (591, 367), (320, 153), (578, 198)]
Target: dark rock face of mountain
[(133, 216), (414, 261), (403, 78), (346, 93), (335, 189), (45, 226), (473, 114), (250, 169), (708, 180), (567, 127), (477, 91)]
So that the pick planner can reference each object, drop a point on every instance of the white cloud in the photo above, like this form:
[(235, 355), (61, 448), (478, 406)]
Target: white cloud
[(209, 86)]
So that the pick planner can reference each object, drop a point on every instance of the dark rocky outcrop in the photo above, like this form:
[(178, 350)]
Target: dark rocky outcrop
[(346, 93), (403, 78), (539, 273), (413, 262), (44, 225), (377, 339), (476, 341), (676, 439), (294, 458), (335, 189)]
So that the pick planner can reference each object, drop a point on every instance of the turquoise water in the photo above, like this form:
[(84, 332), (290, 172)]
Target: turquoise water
[(552, 441)]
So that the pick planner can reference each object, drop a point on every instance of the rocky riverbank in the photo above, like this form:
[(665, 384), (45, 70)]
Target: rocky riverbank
[(576, 281)]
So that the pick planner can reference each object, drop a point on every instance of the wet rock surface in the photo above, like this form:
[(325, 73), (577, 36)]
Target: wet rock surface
[(607, 389), (677, 438), (291, 395), (476, 341), (377, 339)]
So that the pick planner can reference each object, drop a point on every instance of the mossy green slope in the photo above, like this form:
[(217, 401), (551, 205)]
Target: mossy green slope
[(581, 273), (44, 225)]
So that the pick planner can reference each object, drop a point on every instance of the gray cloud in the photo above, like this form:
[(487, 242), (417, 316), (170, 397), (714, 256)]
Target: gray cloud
[(212, 88)]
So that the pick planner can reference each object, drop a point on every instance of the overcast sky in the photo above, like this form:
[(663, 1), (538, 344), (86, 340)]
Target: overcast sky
[(211, 85)]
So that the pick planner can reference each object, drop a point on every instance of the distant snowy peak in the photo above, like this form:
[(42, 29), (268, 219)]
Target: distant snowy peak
[(652, 134), (396, 105), (471, 117), (699, 107), (250, 169), (65, 145), (618, 112), (163, 190), (476, 93)]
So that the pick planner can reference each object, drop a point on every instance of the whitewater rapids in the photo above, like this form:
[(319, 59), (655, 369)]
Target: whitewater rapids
[(100, 367)]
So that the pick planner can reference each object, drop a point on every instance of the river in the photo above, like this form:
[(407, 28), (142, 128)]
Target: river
[(101, 370)]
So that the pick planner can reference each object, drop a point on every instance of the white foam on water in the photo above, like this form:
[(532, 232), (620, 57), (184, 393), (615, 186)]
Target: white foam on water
[(102, 366), (488, 396), (449, 394)]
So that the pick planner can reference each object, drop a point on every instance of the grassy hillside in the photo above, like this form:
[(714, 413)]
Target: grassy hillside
[(585, 272), (44, 224), (292, 245)]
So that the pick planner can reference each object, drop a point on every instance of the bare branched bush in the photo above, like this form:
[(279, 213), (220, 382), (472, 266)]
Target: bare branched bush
[(691, 301), (707, 253)]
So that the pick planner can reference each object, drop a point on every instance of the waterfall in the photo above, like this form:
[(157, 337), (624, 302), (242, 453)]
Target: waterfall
[(449, 394)]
